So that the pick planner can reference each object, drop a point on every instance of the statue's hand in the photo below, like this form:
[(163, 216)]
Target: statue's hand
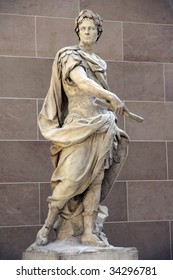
[(117, 105)]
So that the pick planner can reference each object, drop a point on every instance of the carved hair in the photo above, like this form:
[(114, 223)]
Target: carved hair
[(88, 14)]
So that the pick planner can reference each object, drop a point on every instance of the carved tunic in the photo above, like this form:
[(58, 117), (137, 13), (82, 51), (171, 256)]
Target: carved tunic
[(83, 139)]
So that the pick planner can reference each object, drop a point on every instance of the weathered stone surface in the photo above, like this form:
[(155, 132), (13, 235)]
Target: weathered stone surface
[(71, 249), (88, 141)]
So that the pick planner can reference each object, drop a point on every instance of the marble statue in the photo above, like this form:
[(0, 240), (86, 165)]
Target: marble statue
[(79, 117)]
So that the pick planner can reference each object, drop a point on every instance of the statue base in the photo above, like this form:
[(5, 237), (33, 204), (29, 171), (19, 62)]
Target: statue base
[(71, 249)]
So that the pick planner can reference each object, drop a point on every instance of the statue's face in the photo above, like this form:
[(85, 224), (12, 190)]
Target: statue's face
[(88, 32)]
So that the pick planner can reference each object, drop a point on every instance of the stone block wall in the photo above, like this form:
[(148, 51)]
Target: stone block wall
[(137, 44)]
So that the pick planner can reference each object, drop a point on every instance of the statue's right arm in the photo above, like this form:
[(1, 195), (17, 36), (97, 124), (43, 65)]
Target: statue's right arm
[(85, 84)]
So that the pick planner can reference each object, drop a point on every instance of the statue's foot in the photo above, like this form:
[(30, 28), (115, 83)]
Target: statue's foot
[(92, 240), (42, 236)]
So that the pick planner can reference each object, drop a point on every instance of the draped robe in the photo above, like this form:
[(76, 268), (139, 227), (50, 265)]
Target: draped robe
[(82, 141)]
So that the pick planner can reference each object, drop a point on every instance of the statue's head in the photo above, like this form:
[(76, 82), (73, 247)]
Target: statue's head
[(88, 14)]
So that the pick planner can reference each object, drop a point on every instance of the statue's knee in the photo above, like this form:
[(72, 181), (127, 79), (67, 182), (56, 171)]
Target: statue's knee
[(55, 205), (64, 188)]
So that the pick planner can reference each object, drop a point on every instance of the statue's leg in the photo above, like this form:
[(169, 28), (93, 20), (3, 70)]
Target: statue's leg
[(62, 192), (90, 203), (42, 235), (54, 207)]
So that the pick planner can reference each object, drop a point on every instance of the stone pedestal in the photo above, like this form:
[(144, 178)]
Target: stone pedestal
[(71, 249)]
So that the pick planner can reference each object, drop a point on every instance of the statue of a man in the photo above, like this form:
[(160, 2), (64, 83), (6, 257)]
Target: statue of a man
[(84, 134)]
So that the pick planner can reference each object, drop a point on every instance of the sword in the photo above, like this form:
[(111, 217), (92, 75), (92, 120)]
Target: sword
[(104, 103)]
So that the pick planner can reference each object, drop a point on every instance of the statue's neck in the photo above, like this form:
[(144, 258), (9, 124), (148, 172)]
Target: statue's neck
[(86, 48)]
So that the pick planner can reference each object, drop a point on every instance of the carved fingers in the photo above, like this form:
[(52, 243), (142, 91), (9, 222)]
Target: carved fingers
[(118, 105)]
